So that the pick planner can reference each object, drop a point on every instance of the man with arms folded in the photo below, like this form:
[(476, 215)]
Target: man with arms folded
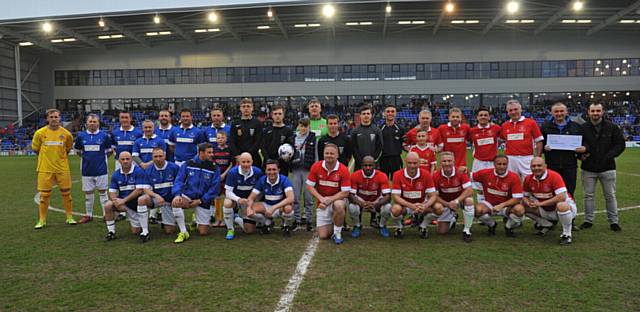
[(454, 192), (277, 200), (239, 183), (546, 198), (94, 148), (329, 183), (413, 193), (502, 196), (196, 186), (369, 192)]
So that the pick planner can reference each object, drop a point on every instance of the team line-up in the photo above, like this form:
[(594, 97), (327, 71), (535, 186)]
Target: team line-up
[(217, 172)]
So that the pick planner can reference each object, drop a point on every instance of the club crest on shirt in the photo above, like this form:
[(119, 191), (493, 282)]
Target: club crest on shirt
[(252, 131), (61, 137), (419, 185), (282, 137), (372, 136)]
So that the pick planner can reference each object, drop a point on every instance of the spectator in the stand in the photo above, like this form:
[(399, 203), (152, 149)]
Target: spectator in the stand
[(561, 161), (246, 134), (604, 142)]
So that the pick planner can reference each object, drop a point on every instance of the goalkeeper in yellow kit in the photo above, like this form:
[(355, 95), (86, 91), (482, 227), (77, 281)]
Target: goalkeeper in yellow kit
[(53, 143)]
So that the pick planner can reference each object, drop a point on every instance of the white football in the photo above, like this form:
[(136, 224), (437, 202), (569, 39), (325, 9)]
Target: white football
[(285, 152)]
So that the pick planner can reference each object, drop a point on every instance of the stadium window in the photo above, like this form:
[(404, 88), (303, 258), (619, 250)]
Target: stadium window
[(346, 69), (323, 69), (162, 73), (275, 70), (96, 74), (185, 73), (371, 68), (140, 73), (61, 78), (420, 68), (299, 70), (444, 67), (395, 68), (118, 74), (495, 66), (468, 67)]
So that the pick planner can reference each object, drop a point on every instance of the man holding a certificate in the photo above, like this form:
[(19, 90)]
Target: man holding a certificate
[(562, 145)]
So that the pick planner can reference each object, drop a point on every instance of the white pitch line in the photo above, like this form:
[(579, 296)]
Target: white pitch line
[(36, 199), (629, 173), (294, 282)]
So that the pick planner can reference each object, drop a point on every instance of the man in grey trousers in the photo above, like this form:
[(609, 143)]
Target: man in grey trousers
[(304, 157), (604, 142)]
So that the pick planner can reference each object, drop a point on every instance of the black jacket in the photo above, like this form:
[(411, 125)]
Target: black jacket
[(602, 146), (245, 136), (393, 137), (272, 138), (309, 157), (560, 159), (367, 141), (345, 148)]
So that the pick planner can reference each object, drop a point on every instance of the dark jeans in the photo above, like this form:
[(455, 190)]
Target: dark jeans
[(569, 175)]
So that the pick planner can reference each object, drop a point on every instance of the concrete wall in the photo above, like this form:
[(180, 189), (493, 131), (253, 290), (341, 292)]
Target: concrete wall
[(361, 49)]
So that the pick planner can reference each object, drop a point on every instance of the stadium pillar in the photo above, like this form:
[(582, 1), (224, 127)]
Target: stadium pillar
[(18, 84)]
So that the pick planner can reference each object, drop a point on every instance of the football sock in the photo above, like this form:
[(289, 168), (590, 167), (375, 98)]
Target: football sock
[(566, 220), (354, 213), (111, 226), (178, 214), (287, 217), (228, 217), (88, 203), (468, 213), (67, 202), (43, 207), (337, 230), (385, 212), (103, 200), (143, 218), (514, 221), (487, 220)]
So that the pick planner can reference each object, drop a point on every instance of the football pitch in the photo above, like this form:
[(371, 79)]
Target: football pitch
[(72, 268)]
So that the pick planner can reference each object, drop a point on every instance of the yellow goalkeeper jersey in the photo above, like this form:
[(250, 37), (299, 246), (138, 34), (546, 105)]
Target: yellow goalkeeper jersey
[(53, 147)]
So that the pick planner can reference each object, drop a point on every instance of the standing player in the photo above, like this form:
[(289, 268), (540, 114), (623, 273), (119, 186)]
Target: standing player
[(222, 158), (392, 136), (217, 125), (196, 186), (329, 183), (546, 197), (124, 137), (485, 140), (502, 196), (317, 124), (304, 158), (413, 193), (341, 140), (274, 136), (127, 184), (185, 139), (53, 143), (143, 146), (454, 192), (370, 192), (238, 185), (160, 177), (434, 140), (366, 138), (424, 151), (521, 134), (246, 134), (454, 137), (165, 131), (94, 148), (277, 202)]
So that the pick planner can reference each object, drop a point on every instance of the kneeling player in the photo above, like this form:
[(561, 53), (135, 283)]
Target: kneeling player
[(454, 192), (413, 194), (240, 181), (329, 183), (277, 201), (502, 196), (370, 192), (546, 199), (160, 176), (196, 186), (127, 185)]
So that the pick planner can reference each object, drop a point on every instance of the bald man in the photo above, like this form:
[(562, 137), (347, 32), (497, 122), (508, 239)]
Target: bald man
[(546, 200), (239, 183), (127, 184), (414, 193), (370, 191)]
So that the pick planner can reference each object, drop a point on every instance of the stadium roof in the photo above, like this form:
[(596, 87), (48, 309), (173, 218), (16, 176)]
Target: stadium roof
[(246, 20)]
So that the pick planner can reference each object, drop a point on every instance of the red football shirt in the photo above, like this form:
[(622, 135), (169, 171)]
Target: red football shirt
[(425, 154), (450, 187), (549, 185), (498, 189), (413, 190), (455, 140), (329, 182), (520, 136), (369, 188), (485, 141), (433, 137)]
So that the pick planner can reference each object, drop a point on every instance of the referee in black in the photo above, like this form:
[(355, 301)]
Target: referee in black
[(393, 137), (246, 134), (563, 162)]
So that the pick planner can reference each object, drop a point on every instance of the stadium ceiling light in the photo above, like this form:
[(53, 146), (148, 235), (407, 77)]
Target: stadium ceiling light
[(207, 30), (69, 39), (527, 21), (627, 21), (263, 27), (270, 13), (450, 7), (627, 94), (471, 21), (328, 10), (101, 23), (597, 68), (388, 9), (583, 21), (300, 25), (578, 5), (512, 21), (47, 27), (604, 94), (313, 25), (154, 33), (624, 61), (156, 19), (568, 21), (56, 40), (513, 6), (598, 62), (114, 36), (606, 66), (457, 22), (624, 72), (213, 17), (25, 44), (164, 33)]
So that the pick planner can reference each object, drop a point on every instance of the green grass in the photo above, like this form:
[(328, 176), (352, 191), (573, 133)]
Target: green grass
[(72, 268)]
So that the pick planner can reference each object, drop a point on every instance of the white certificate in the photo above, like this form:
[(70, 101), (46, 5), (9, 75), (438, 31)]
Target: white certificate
[(564, 142)]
